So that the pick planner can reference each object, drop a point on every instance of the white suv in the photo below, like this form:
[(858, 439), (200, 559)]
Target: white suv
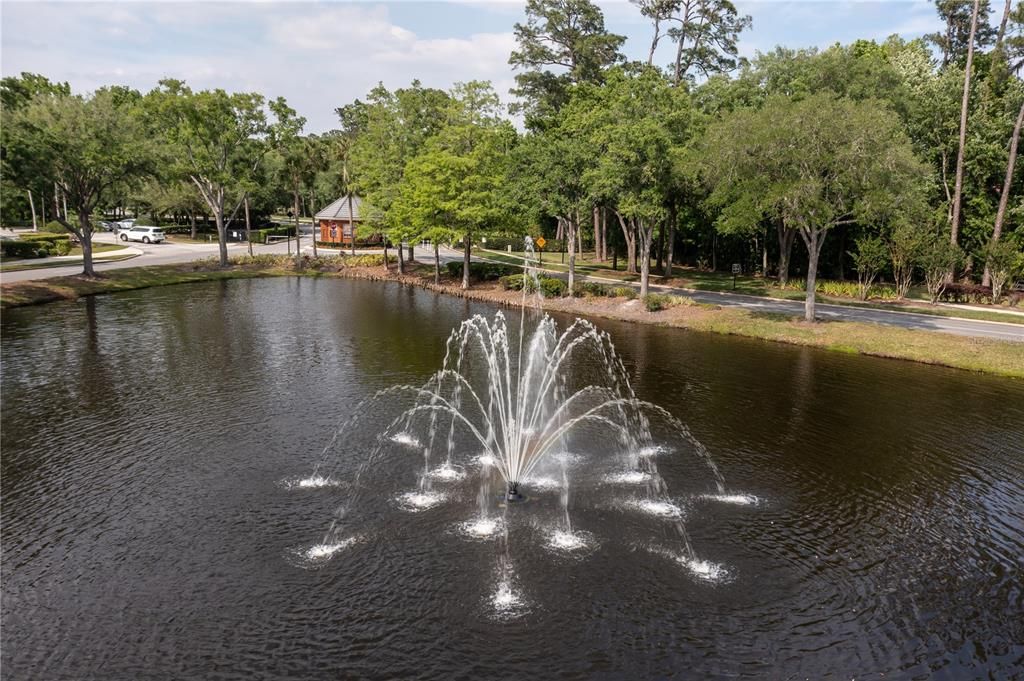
[(144, 234)]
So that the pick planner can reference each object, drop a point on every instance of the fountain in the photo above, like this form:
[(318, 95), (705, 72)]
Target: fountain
[(536, 411)]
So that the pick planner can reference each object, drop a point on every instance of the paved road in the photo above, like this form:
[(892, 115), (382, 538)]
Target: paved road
[(152, 254), (169, 253), (907, 320)]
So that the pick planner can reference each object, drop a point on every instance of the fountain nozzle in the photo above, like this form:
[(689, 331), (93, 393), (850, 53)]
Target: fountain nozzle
[(513, 492)]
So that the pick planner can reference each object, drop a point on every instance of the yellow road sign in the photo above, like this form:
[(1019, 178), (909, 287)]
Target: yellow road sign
[(540, 242)]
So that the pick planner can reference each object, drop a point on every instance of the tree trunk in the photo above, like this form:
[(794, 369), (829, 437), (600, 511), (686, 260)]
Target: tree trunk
[(313, 225), (646, 241), (630, 238), (572, 227), (298, 235), (1005, 196), (412, 254), (813, 240), (671, 245), (42, 208), (386, 268), (437, 263), (1002, 25), (352, 229), (597, 234), (786, 238), (32, 207), (656, 38), (248, 225), (658, 265), (465, 263), (85, 225), (222, 234), (192, 224), (401, 257), (604, 234), (958, 184)]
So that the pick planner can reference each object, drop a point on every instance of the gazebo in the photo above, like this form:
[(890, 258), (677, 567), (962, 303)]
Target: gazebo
[(337, 223)]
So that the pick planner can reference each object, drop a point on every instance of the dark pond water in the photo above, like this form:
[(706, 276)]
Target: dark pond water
[(148, 532)]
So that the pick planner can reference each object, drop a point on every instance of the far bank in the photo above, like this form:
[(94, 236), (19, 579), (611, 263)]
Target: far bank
[(930, 347)]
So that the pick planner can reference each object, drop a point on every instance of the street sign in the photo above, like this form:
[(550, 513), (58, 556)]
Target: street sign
[(736, 269), (540, 242)]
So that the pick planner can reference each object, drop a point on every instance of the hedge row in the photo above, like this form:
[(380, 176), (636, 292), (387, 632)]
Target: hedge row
[(549, 287), (482, 271), (259, 236), (37, 245), (501, 243)]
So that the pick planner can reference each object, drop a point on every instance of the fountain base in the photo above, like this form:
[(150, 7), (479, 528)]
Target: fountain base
[(513, 494)]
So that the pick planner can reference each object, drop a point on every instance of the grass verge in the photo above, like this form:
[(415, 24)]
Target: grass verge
[(720, 282), (974, 354)]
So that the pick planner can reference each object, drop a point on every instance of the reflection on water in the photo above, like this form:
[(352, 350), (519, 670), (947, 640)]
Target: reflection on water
[(148, 533)]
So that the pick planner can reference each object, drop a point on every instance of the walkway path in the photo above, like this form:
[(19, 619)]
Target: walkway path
[(909, 320)]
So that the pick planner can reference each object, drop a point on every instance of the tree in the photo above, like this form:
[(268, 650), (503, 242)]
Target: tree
[(216, 140), (453, 188), (632, 124), (393, 129), (1006, 262), (569, 36), (84, 146), (958, 183), (548, 179), (815, 164), (705, 35), (869, 259), (966, 25)]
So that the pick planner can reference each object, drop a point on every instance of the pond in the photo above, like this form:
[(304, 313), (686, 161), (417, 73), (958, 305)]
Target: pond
[(151, 524)]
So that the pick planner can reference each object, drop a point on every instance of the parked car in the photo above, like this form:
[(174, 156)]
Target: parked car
[(144, 234), (104, 225)]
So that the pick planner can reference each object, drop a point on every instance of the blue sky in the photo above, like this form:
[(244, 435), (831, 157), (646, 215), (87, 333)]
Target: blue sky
[(325, 54)]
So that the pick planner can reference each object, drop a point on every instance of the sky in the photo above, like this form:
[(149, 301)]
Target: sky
[(321, 55)]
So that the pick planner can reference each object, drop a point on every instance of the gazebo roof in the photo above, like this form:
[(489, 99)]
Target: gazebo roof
[(339, 209)]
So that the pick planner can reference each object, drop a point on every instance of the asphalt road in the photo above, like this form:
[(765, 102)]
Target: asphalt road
[(170, 253)]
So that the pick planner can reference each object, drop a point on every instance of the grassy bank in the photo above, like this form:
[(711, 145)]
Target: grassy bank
[(700, 280), (974, 354)]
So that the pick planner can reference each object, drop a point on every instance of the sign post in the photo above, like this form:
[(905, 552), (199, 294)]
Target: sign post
[(540, 241), (736, 269)]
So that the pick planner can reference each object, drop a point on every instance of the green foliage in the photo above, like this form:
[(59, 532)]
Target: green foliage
[(623, 292), (869, 259), (549, 286), (559, 33), (1006, 264), (48, 237), (843, 289), (938, 259), (589, 289), (553, 288), (659, 301), (481, 271), (23, 249), (259, 236)]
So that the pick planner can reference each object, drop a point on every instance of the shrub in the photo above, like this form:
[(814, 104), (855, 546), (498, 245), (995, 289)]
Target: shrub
[(61, 247), (514, 282), (658, 301), (623, 292), (589, 289), (54, 227), (48, 238), (482, 271), (259, 236), (966, 293), (1006, 265), (870, 257), (11, 248), (552, 288)]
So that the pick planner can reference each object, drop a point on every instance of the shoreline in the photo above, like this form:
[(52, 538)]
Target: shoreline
[(996, 357)]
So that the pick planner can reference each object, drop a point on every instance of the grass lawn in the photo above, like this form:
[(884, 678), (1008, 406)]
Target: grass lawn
[(700, 280)]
